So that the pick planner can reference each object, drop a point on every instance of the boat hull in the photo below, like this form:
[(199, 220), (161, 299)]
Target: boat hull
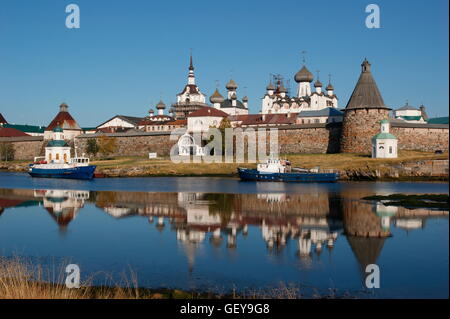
[(81, 172), (254, 175)]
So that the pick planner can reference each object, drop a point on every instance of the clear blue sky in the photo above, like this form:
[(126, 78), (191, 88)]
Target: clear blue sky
[(129, 53)]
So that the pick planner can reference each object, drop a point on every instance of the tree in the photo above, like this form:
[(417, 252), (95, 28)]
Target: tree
[(224, 124), (107, 145), (6, 151), (92, 147)]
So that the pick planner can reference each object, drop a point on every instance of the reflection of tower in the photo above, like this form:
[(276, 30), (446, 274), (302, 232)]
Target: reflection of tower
[(190, 241), (63, 205), (366, 250), (360, 219), (216, 238), (160, 223)]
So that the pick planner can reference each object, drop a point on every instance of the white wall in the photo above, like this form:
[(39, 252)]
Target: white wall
[(384, 148), (203, 123), (116, 122)]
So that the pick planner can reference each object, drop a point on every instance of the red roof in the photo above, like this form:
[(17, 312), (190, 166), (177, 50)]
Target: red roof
[(65, 121), (2, 119), (178, 122), (193, 89), (208, 111), (11, 132)]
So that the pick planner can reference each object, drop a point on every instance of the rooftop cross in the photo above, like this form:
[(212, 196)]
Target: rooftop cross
[(304, 56)]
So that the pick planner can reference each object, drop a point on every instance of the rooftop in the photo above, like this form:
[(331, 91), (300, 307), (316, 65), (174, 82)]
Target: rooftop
[(208, 111), (366, 93), (328, 111), (11, 132)]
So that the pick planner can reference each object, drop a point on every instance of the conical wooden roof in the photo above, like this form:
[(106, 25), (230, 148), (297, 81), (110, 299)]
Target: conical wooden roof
[(366, 94), (2, 119)]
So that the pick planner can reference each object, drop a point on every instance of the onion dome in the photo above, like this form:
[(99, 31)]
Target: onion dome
[(282, 89), (270, 87), (303, 75), (231, 85), (329, 87), (216, 97), (151, 112), (161, 105), (317, 84), (245, 99)]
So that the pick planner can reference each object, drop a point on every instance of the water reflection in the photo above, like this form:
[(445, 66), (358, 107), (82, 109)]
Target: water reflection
[(313, 221)]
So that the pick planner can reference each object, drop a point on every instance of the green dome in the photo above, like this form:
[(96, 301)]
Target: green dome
[(57, 143), (384, 136), (58, 129)]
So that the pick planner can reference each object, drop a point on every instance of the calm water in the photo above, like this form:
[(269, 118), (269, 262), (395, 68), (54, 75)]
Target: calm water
[(220, 233)]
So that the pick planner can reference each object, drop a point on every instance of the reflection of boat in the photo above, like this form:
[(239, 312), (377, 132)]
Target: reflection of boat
[(276, 170)]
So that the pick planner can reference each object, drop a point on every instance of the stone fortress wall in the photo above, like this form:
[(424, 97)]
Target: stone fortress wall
[(309, 138)]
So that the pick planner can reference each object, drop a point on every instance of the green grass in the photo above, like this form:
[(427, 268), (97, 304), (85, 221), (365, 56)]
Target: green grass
[(164, 167)]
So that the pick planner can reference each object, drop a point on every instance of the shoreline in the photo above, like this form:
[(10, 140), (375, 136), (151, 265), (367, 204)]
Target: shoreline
[(409, 166)]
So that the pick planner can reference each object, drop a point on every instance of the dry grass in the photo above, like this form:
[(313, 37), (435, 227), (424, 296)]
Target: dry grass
[(20, 279), (134, 166)]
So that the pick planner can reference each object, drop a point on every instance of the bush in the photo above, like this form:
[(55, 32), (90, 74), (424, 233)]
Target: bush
[(92, 147), (107, 145), (6, 151)]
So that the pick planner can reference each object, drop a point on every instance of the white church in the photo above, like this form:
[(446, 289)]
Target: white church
[(277, 101), (384, 144)]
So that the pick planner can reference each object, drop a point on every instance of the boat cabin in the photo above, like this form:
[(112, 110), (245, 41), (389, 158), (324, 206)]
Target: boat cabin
[(274, 166), (80, 161)]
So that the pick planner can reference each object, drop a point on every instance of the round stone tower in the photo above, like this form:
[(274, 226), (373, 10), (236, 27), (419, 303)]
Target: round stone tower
[(363, 113)]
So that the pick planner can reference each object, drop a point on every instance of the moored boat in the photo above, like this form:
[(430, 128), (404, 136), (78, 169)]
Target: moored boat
[(78, 168), (276, 170), (58, 163)]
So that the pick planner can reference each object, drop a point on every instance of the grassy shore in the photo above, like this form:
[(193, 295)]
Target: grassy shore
[(138, 166), (141, 166), (21, 279)]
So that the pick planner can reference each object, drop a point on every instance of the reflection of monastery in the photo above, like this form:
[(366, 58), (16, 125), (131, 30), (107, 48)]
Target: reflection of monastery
[(311, 221)]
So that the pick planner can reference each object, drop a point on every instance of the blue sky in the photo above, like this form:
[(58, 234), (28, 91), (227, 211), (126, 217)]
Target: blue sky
[(128, 54)]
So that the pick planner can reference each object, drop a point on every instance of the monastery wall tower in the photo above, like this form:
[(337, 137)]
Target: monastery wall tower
[(363, 113)]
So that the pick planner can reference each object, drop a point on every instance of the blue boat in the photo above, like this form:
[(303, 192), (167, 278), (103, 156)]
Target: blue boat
[(57, 162), (275, 170), (75, 172)]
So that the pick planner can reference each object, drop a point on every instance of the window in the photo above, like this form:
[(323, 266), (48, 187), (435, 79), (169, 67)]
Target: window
[(57, 156), (390, 149), (316, 121), (65, 158)]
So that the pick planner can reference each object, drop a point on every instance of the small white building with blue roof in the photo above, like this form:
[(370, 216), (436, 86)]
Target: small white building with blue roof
[(384, 144)]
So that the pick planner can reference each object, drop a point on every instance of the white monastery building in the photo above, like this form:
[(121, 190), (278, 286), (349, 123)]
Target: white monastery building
[(276, 100)]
